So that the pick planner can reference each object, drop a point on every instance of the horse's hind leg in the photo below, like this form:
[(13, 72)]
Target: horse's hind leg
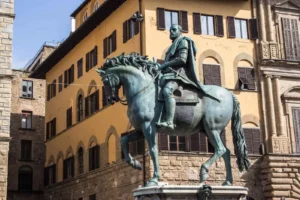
[(226, 157), (130, 160), (216, 142)]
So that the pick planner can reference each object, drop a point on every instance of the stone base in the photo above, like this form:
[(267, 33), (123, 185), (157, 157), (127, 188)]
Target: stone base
[(169, 192)]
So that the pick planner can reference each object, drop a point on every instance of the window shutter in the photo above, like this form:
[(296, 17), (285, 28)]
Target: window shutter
[(256, 141), (47, 131), (114, 41), (216, 73), (251, 78), (46, 176), (161, 25), (70, 118), (183, 21), (66, 78), (54, 127), (86, 100), (296, 38), (72, 74), (60, 86), (248, 138), (195, 142), (54, 88), (223, 137), (253, 29), (87, 62), (296, 123), (54, 173), (287, 35), (105, 47), (97, 154), (104, 98), (203, 142), (72, 166), (95, 56), (197, 23), (163, 142), (97, 100), (125, 32), (219, 26), (48, 92), (231, 27), (207, 74), (90, 159), (137, 25), (65, 172)]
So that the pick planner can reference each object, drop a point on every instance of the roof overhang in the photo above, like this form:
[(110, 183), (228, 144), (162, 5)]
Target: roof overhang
[(80, 8)]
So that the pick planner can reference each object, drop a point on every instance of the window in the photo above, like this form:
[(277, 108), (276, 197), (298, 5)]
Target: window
[(96, 6), (69, 117), (60, 83), (93, 158), (91, 59), (92, 197), (79, 68), (110, 44), (92, 103), (80, 161), (69, 76), (296, 122), (68, 168), (51, 90), (290, 30), (26, 148), (130, 29), (27, 89), (177, 143), (51, 129), (50, 175), (85, 16), (80, 108), (246, 78), (252, 137), (212, 74), (26, 121), (25, 178), (207, 25), (241, 28), (166, 18)]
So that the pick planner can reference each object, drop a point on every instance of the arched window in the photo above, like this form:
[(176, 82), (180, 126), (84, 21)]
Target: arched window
[(96, 6), (85, 16), (112, 155), (80, 161), (246, 76), (79, 108), (211, 72), (25, 178)]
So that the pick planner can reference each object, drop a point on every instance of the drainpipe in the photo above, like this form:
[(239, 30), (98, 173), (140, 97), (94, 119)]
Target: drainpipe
[(141, 30)]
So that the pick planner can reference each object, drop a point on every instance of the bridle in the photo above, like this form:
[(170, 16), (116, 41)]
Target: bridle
[(113, 89)]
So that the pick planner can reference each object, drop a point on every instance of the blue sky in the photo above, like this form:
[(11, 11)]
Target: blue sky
[(38, 21)]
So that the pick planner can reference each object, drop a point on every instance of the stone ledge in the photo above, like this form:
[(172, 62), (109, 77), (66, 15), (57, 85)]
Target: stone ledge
[(7, 15)]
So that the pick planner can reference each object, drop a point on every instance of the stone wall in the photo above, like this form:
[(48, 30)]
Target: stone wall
[(6, 35), (37, 106), (115, 182)]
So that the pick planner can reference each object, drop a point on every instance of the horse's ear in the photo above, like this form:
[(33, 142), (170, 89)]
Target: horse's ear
[(101, 72)]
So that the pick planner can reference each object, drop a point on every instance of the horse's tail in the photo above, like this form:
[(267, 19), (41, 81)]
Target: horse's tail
[(240, 147)]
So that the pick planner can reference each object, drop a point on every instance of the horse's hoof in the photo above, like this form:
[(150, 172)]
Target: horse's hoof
[(151, 183), (136, 164), (227, 183)]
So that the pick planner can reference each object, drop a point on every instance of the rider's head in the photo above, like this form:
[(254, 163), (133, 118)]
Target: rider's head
[(175, 31)]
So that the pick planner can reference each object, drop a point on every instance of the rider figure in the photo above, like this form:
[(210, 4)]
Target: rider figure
[(178, 68)]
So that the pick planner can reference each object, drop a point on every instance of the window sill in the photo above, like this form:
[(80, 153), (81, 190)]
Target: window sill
[(27, 129), (28, 98)]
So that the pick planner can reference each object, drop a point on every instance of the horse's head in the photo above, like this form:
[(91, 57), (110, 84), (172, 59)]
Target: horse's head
[(111, 85)]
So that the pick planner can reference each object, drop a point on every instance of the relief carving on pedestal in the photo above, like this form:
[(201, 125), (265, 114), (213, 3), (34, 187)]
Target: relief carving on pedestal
[(274, 51), (265, 51)]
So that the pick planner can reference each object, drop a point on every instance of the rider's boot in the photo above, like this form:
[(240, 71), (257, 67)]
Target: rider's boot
[(170, 108)]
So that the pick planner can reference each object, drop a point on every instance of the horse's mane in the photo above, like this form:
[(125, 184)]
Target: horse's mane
[(133, 59)]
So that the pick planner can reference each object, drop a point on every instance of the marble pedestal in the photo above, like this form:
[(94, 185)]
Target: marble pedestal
[(169, 192)]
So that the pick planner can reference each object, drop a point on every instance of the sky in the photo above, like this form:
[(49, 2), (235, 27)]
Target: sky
[(38, 21)]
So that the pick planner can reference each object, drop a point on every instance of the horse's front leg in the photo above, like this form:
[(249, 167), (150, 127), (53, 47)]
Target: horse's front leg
[(128, 158), (149, 130)]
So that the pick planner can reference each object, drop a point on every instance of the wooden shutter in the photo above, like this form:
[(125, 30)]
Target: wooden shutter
[(105, 47), (125, 31), (66, 79), (197, 23), (256, 141), (114, 41), (248, 138), (231, 27), (65, 171), (97, 155), (54, 173), (216, 72), (53, 128), (183, 21), (207, 74), (72, 74), (195, 142), (137, 25), (70, 116), (90, 159), (203, 142), (251, 78), (104, 98), (212, 74), (46, 176), (161, 25), (163, 142), (47, 130), (97, 100), (86, 107), (95, 56), (60, 82), (219, 26), (87, 62), (54, 88), (48, 92), (296, 39), (253, 29), (296, 123), (72, 166), (287, 35)]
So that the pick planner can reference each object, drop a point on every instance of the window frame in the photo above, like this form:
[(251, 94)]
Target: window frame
[(178, 143), (80, 108), (26, 154), (80, 68), (30, 114), (207, 24), (241, 28), (27, 81)]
